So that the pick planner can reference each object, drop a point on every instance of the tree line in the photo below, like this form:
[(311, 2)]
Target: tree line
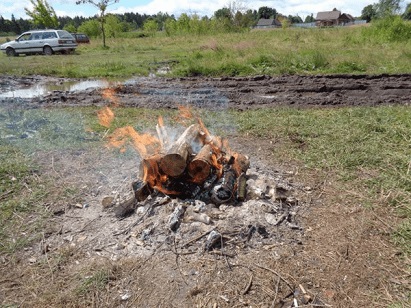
[(230, 18), (134, 21)]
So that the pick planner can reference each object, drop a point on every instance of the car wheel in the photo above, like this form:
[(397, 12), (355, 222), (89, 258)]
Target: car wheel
[(47, 50), (10, 52)]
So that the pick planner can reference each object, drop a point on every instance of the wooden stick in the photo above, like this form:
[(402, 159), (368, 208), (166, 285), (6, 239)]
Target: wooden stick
[(277, 274)]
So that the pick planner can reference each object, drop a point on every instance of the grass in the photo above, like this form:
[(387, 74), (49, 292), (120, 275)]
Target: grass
[(366, 148), (279, 51)]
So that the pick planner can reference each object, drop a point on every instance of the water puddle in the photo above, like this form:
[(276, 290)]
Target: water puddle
[(46, 88)]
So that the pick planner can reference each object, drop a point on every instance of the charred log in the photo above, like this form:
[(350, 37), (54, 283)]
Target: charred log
[(241, 187), (175, 218), (126, 208), (141, 190), (223, 191), (214, 239)]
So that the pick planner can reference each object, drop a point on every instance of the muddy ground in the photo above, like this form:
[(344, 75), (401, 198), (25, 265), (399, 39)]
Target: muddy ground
[(237, 93), (333, 252)]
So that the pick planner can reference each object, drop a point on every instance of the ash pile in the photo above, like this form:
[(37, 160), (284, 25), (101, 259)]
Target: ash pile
[(196, 195)]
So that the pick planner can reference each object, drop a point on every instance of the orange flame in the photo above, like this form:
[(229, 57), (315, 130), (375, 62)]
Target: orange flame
[(145, 144)]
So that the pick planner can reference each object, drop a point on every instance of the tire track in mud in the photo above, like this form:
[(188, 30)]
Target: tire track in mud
[(238, 92)]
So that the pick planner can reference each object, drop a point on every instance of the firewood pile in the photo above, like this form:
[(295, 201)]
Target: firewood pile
[(195, 165), (191, 183)]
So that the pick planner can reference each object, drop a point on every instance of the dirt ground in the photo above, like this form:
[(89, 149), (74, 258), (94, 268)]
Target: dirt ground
[(333, 253)]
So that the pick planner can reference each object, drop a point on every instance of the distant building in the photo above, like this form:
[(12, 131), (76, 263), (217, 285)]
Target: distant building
[(268, 23), (333, 18)]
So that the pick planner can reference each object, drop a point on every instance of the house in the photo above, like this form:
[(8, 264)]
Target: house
[(264, 23), (333, 18)]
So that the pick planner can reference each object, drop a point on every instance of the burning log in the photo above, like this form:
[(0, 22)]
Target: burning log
[(174, 162), (241, 163), (200, 167)]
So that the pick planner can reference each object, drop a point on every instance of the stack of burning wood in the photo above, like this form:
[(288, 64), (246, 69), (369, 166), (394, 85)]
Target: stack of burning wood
[(196, 165)]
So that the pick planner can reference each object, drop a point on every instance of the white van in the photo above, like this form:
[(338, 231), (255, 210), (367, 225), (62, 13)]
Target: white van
[(44, 42)]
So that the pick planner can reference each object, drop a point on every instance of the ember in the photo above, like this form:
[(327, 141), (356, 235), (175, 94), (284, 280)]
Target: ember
[(196, 165)]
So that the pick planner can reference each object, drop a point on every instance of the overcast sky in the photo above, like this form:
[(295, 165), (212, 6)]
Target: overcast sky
[(176, 7)]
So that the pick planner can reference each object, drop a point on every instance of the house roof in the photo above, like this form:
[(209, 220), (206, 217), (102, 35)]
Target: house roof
[(348, 16), (268, 22), (328, 15)]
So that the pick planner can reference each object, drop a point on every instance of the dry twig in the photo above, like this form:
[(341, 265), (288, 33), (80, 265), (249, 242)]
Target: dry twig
[(277, 274)]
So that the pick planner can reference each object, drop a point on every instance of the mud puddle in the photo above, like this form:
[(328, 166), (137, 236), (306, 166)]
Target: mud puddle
[(48, 87)]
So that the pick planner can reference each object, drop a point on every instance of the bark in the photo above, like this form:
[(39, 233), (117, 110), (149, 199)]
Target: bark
[(199, 168), (175, 161)]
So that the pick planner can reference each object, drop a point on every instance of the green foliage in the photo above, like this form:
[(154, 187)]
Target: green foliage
[(150, 27), (208, 51), (387, 8), (43, 14), (102, 7), (90, 27), (267, 12), (389, 29), (70, 28), (368, 13), (113, 26), (407, 12)]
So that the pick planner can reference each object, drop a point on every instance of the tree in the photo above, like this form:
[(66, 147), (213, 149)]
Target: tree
[(223, 13), (70, 27), (43, 14), (90, 27), (386, 8), (309, 18), (407, 12), (368, 13), (102, 6), (266, 12), (150, 27), (113, 25), (295, 19)]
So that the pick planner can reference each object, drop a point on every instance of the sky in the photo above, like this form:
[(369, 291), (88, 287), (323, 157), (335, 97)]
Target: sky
[(301, 8)]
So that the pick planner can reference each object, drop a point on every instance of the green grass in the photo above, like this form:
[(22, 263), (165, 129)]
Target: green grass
[(279, 51), (368, 149)]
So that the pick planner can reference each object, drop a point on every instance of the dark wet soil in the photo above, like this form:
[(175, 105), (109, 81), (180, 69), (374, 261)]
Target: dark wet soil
[(236, 92)]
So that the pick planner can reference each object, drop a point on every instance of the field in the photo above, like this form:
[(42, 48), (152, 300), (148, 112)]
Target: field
[(345, 150)]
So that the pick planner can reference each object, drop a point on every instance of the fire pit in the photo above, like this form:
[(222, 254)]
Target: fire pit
[(194, 165), (188, 176)]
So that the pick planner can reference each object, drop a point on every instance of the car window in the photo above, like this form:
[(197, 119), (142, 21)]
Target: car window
[(49, 35), (64, 34), (24, 37)]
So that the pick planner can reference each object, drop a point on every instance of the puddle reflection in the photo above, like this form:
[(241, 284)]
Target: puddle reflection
[(46, 88)]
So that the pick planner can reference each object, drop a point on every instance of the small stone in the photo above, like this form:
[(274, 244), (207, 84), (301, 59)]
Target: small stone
[(78, 205), (107, 202), (125, 297), (32, 260), (120, 246)]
